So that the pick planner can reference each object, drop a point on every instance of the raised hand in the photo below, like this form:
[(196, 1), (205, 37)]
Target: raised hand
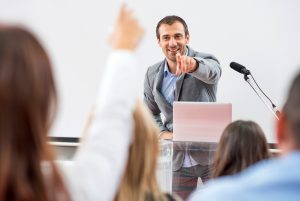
[(127, 31)]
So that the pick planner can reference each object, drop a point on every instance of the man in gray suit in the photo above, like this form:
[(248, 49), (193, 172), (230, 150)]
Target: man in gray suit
[(184, 75)]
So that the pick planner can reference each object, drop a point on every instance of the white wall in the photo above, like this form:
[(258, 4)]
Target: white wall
[(264, 35)]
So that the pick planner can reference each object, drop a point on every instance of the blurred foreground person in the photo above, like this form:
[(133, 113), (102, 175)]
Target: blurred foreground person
[(273, 180), (28, 101)]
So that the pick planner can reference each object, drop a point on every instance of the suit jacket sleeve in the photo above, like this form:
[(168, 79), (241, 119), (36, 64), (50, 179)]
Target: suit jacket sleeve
[(209, 69)]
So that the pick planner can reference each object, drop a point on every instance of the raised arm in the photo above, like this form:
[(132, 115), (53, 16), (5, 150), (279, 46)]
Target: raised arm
[(100, 161)]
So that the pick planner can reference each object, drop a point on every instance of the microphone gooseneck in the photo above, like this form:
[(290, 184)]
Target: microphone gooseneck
[(243, 70)]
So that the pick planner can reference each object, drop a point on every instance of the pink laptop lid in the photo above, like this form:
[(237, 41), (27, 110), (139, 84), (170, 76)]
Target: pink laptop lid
[(200, 121)]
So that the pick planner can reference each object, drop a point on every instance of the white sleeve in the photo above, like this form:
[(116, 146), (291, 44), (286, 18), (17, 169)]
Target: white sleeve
[(100, 161)]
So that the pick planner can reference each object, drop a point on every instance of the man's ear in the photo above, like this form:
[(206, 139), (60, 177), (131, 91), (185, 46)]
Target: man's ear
[(187, 39), (158, 41)]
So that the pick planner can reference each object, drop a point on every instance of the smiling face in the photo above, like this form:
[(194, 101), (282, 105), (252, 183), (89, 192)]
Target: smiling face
[(172, 39)]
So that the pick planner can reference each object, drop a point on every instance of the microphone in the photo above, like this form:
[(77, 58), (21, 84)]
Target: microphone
[(239, 68), (243, 70)]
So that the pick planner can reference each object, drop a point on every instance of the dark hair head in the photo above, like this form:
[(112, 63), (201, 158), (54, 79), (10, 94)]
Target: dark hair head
[(171, 19), (291, 110), (27, 106), (242, 144)]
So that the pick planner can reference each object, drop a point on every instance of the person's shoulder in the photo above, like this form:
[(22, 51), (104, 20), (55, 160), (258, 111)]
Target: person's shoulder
[(153, 69), (222, 188), (157, 65), (194, 53), (257, 177)]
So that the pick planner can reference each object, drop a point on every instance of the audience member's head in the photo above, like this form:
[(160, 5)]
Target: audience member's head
[(139, 182), (288, 127), (27, 108), (242, 144)]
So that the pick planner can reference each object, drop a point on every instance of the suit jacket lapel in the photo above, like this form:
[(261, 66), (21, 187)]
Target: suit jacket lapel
[(158, 85), (179, 83)]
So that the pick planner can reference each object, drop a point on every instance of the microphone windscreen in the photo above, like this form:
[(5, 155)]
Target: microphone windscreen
[(237, 67)]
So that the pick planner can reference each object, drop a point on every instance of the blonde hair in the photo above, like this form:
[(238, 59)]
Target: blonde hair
[(139, 180)]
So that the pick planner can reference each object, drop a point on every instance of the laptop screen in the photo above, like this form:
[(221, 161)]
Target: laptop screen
[(200, 121)]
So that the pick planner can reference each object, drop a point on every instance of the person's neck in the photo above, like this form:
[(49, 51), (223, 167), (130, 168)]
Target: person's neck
[(172, 66)]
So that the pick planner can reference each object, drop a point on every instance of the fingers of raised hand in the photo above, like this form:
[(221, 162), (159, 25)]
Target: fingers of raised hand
[(128, 32)]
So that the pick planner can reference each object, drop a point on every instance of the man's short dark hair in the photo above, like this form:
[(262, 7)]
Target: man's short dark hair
[(291, 110), (171, 19)]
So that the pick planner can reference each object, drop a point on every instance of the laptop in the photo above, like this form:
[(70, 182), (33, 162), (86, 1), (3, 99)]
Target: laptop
[(200, 121)]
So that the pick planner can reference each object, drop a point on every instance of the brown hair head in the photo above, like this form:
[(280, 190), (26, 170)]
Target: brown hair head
[(171, 19), (27, 107), (242, 144)]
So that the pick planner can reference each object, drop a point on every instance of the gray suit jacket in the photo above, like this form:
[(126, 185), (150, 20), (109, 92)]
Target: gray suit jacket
[(200, 85)]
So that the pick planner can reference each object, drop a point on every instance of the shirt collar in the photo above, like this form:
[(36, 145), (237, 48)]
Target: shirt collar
[(186, 51), (166, 69)]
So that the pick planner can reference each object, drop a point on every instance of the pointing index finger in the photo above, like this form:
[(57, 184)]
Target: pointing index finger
[(179, 64)]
